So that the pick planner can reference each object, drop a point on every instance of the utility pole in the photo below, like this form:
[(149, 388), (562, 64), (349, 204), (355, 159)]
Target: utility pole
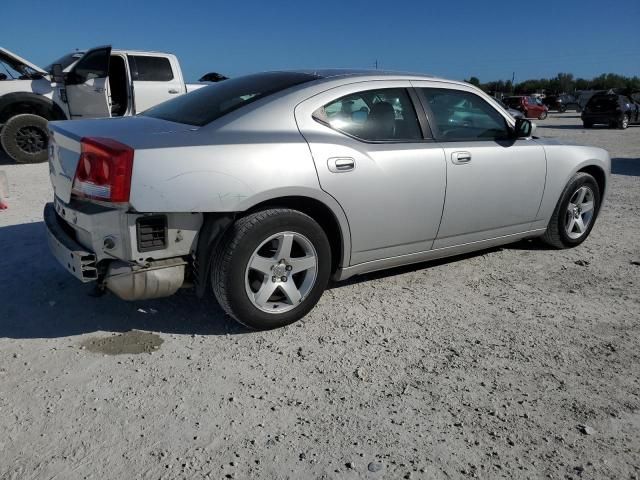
[(376, 63), (513, 81)]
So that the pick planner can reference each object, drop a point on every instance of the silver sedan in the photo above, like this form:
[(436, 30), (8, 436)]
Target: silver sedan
[(263, 187)]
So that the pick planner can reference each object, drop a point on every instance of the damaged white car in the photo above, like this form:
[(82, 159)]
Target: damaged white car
[(101, 82)]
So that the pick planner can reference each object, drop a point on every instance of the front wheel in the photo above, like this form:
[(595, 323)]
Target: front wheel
[(542, 116), (272, 268), (575, 213), (24, 137)]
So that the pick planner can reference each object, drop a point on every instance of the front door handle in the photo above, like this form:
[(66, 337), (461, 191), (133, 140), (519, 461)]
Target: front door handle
[(341, 164), (173, 90), (460, 158)]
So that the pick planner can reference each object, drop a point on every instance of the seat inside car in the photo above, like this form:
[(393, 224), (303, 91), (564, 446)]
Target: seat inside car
[(381, 121)]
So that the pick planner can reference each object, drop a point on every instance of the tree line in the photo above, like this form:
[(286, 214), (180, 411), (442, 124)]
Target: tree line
[(561, 83)]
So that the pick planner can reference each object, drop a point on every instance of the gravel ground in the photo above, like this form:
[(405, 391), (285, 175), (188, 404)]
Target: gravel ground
[(518, 362)]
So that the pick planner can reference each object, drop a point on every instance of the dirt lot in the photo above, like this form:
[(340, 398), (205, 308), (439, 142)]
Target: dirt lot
[(517, 362)]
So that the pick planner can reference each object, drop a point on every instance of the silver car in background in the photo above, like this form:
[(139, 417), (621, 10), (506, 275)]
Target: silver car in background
[(262, 188)]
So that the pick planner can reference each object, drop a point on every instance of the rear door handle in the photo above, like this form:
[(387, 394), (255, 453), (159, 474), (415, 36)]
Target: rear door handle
[(341, 164), (173, 90), (460, 158)]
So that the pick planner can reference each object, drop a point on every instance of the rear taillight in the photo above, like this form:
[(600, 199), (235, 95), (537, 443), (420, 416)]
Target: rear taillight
[(104, 170)]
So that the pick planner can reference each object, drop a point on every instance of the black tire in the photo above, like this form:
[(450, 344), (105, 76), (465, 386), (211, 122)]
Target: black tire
[(562, 109), (230, 262), (25, 138), (542, 116), (587, 124), (556, 234), (623, 124)]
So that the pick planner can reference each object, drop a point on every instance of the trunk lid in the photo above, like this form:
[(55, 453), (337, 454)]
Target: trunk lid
[(65, 142)]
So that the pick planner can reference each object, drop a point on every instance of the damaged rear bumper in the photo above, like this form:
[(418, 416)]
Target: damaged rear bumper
[(128, 280)]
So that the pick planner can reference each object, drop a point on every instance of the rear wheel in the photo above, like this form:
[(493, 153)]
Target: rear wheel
[(575, 213), (24, 138), (562, 109), (587, 124), (272, 268), (542, 116)]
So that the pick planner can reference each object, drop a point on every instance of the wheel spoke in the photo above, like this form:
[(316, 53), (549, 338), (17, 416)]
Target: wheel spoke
[(580, 224), (570, 207), (284, 247), (571, 224), (302, 264), (580, 195), (262, 264), (291, 291), (263, 295), (586, 207)]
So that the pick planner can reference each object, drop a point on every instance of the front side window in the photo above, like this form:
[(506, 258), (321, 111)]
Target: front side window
[(385, 115), (459, 115), (94, 64), (150, 69)]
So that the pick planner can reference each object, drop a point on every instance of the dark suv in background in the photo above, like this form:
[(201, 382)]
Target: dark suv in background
[(613, 109), (561, 103)]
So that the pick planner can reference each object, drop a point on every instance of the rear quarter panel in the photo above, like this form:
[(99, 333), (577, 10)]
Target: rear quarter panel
[(228, 176)]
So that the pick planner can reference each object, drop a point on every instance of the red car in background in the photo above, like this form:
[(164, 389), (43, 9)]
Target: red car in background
[(529, 106)]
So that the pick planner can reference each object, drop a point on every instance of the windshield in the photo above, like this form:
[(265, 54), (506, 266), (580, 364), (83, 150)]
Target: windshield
[(65, 61), (209, 103)]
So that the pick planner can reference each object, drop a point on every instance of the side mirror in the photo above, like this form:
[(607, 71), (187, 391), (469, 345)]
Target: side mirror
[(523, 129), (56, 73)]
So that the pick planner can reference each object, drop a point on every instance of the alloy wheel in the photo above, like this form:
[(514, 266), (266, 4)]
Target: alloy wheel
[(579, 212), (281, 272), (31, 139)]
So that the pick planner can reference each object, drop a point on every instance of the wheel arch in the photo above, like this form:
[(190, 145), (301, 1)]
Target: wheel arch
[(18, 103), (326, 218), (598, 173)]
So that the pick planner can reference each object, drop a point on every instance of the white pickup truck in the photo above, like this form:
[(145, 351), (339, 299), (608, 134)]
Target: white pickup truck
[(101, 82)]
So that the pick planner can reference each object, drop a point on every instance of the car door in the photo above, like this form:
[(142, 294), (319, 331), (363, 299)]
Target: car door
[(370, 155), (155, 80), (86, 85), (494, 183)]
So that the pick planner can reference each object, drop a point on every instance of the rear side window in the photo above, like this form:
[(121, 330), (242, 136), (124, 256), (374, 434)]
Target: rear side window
[(385, 115), (460, 115), (150, 69), (210, 103)]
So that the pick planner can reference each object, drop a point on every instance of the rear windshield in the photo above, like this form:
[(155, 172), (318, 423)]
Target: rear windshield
[(603, 102), (209, 103)]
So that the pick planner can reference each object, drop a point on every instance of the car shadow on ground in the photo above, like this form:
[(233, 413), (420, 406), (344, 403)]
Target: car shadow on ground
[(626, 166), (39, 299), (520, 245)]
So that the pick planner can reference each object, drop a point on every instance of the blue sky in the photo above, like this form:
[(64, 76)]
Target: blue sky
[(455, 39)]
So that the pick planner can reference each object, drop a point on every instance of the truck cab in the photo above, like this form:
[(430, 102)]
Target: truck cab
[(97, 83)]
